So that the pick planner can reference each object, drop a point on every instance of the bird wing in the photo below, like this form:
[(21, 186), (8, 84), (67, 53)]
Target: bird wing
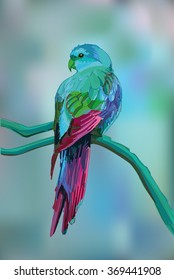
[(92, 92), (84, 109)]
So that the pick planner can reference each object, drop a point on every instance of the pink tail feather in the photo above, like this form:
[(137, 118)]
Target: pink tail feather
[(71, 185)]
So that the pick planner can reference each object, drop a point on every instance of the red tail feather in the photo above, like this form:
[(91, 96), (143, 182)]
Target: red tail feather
[(70, 188), (53, 162)]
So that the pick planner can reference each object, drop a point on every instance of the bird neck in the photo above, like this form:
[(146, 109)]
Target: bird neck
[(95, 66)]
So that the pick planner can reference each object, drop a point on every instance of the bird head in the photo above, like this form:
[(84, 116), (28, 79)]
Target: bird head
[(87, 56)]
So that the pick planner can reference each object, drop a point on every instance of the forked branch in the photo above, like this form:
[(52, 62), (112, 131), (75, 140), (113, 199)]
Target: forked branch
[(162, 204)]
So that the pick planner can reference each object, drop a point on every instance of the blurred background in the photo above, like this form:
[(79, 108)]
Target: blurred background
[(118, 219)]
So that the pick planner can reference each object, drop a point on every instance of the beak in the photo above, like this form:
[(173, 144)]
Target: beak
[(71, 64)]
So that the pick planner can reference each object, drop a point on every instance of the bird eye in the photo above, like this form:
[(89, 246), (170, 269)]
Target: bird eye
[(81, 54)]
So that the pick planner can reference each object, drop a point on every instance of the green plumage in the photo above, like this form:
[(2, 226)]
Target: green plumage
[(81, 93)]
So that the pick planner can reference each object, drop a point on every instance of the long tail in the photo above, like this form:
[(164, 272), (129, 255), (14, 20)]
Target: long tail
[(70, 188)]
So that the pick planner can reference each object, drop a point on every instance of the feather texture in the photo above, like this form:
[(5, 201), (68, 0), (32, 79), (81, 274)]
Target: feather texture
[(71, 184), (87, 101)]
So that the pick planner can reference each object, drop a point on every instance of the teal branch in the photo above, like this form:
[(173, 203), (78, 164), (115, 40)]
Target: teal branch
[(24, 130), (162, 204), (28, 147)]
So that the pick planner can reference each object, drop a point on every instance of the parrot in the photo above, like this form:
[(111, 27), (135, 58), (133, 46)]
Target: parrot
[(86, 103)]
